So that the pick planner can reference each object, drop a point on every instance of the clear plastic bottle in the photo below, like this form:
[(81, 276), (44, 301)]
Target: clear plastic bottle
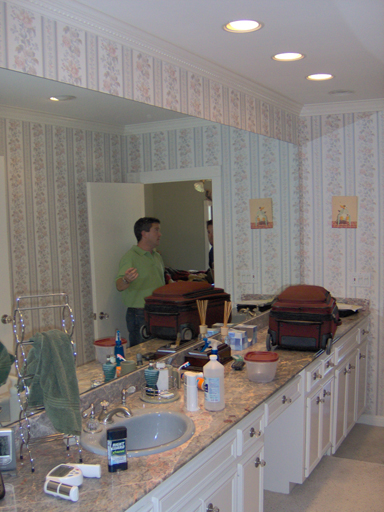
[(213, 384)]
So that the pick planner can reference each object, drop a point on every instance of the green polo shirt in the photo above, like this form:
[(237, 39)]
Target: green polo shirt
[(150, 268)]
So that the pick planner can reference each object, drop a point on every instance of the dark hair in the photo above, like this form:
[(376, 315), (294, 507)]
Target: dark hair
[(209, 223), (144, 224)]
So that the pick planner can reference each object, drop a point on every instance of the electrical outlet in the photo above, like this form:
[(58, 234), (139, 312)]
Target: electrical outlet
[(361, 279), (247, 276)]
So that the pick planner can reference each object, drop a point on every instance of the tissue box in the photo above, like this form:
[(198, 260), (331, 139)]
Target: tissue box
[(238, 339), (251, 331)]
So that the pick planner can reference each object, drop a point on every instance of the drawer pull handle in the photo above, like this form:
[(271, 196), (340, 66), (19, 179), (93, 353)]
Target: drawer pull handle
[(211, 508), (254, 432), (330, 364), (319, 400), (364, 332), (317, 376), (286, 400), (351, 367), (347, 371), (259, 462), (326, 393), (362, 356)]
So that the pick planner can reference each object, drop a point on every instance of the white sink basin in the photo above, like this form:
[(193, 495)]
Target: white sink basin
[(148, 431)]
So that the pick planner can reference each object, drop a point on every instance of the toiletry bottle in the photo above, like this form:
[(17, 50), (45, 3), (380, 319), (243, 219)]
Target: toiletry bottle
[(116, 448), (190, 391), (119, 349), (163, 379), (213, 384)]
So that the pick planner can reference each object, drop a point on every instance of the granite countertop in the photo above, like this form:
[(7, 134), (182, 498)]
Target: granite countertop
[(119, 491)]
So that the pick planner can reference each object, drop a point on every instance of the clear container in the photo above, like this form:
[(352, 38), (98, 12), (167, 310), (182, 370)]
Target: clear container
[(261, 366)]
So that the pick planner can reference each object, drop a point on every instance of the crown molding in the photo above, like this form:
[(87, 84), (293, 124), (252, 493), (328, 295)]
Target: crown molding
[(34, 116), (173, 124), (106, 26), (345, 107)]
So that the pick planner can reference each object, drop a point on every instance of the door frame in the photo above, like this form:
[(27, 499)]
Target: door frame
[(189, 174)]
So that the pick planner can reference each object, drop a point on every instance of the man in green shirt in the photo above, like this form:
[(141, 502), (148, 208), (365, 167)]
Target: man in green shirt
[(141, 270)]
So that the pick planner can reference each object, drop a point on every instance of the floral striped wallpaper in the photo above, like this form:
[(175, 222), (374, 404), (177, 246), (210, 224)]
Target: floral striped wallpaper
[(343, 154), (253, 166), (338, 154), (40, 45), (47, 168)]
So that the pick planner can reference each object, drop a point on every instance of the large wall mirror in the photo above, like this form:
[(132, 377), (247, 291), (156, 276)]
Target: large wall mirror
[(239, 165)]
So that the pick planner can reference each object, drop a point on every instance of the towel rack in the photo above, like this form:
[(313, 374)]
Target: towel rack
[(59, 304)]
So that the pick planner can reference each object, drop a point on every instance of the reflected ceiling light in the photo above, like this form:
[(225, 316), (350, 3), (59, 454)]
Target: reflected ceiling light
[(199, 186), (62, 98), (319, 76), (341, 92), (288, 56), (242, 26)]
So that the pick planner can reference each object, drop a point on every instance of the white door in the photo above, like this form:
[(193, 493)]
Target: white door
[(113, 208), (6, 308)]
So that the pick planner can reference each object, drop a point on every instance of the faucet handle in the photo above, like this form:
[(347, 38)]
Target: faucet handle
[(104, 406), (89, 411), (123, 396)]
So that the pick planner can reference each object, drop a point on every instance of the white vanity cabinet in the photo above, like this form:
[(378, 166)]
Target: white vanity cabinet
[(226, 476)]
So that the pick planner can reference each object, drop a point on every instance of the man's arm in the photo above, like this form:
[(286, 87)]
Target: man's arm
[(123, 282)]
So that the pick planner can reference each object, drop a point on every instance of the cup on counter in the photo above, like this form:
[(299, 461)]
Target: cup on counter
[(127, 367), (97, 380)]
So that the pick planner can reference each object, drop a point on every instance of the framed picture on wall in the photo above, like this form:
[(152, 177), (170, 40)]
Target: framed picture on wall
[(260, 211), (344, 212)]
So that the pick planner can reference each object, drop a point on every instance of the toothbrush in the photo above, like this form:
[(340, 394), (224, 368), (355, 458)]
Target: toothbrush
[(121, 357)]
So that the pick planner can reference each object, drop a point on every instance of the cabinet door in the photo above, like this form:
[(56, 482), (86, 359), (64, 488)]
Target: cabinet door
[(312, 437), (223, 496), (350, 393), (250, 481), (339, 407), (361, 380), (326, 417)]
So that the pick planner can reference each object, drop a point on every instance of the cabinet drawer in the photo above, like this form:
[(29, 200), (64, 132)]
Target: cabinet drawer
[(328, 364), (344, 347), (313, 375), (363, 331), (250, 431), (281, 400)]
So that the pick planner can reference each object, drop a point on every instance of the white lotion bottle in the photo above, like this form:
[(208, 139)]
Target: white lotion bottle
[(213, 384)]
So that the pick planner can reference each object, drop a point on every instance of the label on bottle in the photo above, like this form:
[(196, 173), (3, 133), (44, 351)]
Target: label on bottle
[(212, 389), (116, 451)]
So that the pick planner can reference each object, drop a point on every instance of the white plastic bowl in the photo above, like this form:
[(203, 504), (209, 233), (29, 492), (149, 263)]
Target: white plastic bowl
[(261, 366)]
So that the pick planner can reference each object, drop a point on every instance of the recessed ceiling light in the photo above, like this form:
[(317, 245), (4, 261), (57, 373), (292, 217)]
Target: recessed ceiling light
[(289, 56), (319, 76), (62, 98), (242, 26)]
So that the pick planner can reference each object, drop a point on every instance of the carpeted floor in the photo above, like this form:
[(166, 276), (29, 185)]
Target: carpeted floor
[(350, 481)]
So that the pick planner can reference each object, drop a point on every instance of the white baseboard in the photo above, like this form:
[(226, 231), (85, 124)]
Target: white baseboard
[(368, 419)]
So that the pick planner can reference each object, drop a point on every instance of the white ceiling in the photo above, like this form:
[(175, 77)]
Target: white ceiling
[(341, 37)]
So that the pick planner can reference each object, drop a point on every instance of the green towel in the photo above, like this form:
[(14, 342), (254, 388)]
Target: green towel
[(54, 383), (6, 361)]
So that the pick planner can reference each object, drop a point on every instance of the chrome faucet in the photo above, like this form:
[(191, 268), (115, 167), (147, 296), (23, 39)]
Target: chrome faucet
[(122, 408)]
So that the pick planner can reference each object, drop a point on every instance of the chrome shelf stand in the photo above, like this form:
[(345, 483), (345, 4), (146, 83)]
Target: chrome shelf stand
[(58, 302)]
